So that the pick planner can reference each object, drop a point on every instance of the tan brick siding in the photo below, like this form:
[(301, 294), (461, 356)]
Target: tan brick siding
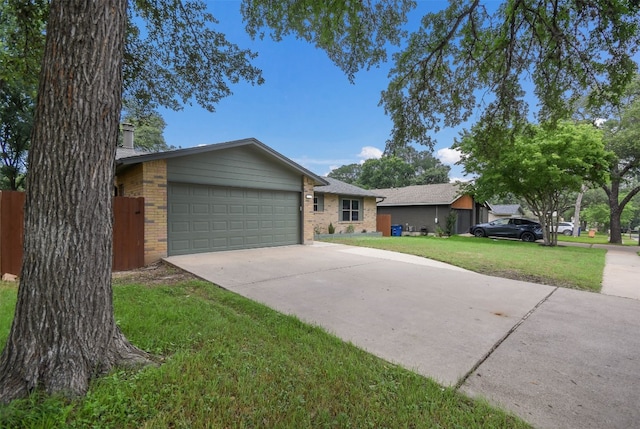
[(307, 210), (149, 180), (331, 214)]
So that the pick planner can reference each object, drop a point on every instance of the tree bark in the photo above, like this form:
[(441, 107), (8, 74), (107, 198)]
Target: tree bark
[(576, 211), (64, 331), (613, 193)]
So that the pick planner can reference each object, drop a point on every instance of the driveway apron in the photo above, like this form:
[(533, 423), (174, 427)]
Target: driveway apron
[(557, 358)]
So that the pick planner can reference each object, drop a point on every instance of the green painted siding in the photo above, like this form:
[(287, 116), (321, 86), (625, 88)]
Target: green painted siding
[(243, 167)]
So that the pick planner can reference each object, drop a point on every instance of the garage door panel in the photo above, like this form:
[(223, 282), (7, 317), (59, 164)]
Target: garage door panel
[(181, 208), (200, 209), (236, 209), (180, 189), (220, 243), (219, 225), (201, 244), (219, 209), (252, 240), (200, 192), (236, 225), (208, 218), (201, 226), (236, 241), (180, 245)]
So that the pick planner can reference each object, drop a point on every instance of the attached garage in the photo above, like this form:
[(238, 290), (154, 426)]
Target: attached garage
[(226, 196), (205, 218)]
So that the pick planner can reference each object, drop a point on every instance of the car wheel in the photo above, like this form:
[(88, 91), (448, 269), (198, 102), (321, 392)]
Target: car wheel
[(567, 232), (528, 237), (479, 232)]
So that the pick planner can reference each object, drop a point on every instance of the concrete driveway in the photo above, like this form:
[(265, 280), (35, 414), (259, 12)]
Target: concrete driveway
[(556, 357)]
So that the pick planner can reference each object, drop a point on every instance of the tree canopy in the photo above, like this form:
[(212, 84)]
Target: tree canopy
[(541, 165), (349, 173), (407, 166), (21, 46), (148, 125), (485, 58)]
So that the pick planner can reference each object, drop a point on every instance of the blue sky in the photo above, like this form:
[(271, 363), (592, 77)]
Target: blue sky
[(307, 109)]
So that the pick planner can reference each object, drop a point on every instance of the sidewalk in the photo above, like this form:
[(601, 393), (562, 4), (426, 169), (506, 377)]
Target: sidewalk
[(621, 276)]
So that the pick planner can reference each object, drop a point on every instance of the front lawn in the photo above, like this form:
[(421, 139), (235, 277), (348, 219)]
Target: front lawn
[(566, 266), (232, 363), (598, 239)]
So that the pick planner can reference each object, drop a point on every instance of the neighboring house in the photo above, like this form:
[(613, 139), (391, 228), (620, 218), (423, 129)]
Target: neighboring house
[(422, 207), (343, 206), (234, 195), (497, 211)]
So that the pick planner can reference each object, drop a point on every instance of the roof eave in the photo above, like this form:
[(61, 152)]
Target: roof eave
[(318, 180)]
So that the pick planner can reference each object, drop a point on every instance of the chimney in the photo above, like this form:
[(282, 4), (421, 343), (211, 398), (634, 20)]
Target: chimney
[(127, 136)]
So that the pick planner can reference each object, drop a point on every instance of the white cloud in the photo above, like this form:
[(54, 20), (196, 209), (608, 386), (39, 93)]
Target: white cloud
[(462, 179), (449, 156), (369, 152)]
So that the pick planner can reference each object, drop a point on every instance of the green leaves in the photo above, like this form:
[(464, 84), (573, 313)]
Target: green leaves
[(404, 167), (21, 44), (474, 58), (354, 33), (540, 164), (178, 57)]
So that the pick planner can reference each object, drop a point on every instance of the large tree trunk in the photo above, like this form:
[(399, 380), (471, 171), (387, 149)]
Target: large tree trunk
[(64, 332), (576, 211), (615, 211)]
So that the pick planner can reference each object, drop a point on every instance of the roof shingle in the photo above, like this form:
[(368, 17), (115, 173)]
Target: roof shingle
[(336, 186), (441, 193)]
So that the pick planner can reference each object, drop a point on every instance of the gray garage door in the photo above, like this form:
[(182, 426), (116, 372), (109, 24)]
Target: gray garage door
[(204, 218)]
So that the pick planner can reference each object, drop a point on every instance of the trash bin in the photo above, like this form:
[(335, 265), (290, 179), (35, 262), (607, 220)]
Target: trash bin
[(396, 230)]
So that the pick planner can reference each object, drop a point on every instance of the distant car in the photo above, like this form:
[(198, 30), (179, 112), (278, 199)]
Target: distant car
[(522, 229), (565, 228)]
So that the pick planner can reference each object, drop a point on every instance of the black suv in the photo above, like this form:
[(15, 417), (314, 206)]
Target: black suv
[(522, 229)]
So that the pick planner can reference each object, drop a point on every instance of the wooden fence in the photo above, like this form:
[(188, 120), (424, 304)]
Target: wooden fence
[(11, 227), (128, 232), (383, 224)]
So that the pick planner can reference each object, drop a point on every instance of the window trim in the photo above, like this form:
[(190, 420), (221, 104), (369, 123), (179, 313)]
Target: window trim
[(359, 211), (318, 203)]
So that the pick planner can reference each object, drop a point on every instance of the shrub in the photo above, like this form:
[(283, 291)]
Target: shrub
[(450, 223)]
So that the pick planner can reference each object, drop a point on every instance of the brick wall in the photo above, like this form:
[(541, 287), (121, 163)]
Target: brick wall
[(307, 210), (331, 214), (149, 180)]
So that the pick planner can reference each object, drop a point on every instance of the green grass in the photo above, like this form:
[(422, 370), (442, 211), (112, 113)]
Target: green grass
[(598, 239), (8, 297), (565, 266), (233, 363)]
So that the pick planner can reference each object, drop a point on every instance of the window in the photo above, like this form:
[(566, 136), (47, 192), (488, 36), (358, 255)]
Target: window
[(318, 203), (351, 210)]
